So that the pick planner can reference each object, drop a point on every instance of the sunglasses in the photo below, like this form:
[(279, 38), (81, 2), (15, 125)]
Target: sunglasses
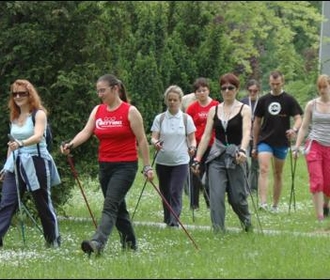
[(16, 94), (229, 88)]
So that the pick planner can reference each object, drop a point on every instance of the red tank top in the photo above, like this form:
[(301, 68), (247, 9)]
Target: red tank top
[(117, 140)]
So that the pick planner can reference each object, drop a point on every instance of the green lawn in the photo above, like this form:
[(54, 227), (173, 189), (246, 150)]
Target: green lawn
[(289, 246)]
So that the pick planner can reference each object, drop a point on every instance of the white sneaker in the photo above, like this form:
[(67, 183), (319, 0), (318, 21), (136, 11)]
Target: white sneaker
[(263, 206), (274, 210)]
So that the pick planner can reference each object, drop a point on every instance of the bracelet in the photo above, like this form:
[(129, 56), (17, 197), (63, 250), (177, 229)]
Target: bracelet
[(20, 143), (192, 148), (195, 163), (159, 142), (70, 146), (146, 169), (295, 150), (241, 150)]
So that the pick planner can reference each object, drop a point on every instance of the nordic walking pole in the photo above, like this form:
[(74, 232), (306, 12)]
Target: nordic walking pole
[(252, 199), (19, 198), (173, 213), (191, 193), (144, 185), (75, 175), (293, 164), (31, 217)]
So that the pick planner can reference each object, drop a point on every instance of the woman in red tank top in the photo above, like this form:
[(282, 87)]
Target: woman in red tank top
[(119, 128)]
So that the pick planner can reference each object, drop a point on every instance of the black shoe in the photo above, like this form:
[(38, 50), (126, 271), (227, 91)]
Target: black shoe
[(173, 225), (248, 226), (325, 211), (128, 242), (129, 245), (54, 244), (1, 243), (91, 246), (194, 207)]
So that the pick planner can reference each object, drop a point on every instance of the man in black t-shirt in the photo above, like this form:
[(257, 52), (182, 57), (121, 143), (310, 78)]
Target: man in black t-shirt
[(272, 135)]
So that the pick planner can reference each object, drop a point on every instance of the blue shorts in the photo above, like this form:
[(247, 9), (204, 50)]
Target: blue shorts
[(278, 152)]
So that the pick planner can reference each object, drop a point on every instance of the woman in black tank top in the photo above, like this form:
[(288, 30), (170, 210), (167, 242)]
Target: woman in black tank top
[(227, 159)]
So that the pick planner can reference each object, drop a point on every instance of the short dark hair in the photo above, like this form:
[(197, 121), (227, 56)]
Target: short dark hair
[(200, 82), (252, 82), (229, 78)]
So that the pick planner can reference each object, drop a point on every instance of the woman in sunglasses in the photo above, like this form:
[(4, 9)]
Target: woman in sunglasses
[(226, 162), (29, 166)]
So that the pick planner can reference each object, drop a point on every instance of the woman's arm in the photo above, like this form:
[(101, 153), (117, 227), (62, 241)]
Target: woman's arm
[(137, 127), (81, 136), (206, 135)]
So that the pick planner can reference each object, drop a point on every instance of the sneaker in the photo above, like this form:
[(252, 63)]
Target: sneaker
[(129, 245), (248, 227), (54, 244), (325, 211), (91, 246), (263, 207), (126, 243), (173, 225), (274, 210)]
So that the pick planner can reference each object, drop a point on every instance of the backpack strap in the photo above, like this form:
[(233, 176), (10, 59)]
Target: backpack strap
[(185, 121), (33, 115)]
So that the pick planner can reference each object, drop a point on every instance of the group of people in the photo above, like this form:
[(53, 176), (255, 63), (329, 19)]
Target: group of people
[(228, 146)]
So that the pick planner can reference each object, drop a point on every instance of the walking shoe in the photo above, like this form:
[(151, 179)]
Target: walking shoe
[(263, 207), (129, 245), (274, 209), (248, 226), (325, 211), (91, 246), (54, 244)]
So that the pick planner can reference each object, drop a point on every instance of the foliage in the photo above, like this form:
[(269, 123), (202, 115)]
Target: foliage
[(62, 47)]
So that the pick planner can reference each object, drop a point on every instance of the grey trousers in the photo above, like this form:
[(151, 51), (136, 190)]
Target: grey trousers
[(232, 181)]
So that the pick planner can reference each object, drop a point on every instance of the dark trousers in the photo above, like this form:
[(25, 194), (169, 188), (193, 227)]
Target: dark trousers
[(196, 185), (116, 179), (171, 180), (41, 198)]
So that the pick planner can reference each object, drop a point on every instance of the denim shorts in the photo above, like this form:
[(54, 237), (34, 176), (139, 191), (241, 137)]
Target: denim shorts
[(278, 152)]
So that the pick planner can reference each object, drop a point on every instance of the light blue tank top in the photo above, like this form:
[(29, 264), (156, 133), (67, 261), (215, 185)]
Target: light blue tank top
[(24, 132)]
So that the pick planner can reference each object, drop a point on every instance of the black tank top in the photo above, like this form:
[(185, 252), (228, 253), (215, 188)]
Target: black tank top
[(233, 133)]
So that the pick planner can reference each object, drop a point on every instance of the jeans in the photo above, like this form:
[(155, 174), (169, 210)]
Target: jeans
[(116, 179)]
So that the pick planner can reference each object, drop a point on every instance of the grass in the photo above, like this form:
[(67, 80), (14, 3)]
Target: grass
[(290, 245)]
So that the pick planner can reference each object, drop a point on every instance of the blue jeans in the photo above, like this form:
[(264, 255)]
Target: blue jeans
[(116, 179)]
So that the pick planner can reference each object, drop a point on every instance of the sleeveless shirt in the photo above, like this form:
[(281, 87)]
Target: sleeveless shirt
[(320, 127), (117, 141), (233, 133)]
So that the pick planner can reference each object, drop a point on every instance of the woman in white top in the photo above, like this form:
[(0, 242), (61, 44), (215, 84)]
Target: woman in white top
[(173, 135)]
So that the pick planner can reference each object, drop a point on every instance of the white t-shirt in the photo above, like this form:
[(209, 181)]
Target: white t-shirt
[(173, 133)]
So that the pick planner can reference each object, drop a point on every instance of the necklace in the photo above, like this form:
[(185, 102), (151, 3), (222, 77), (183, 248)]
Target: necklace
[(225, 117)]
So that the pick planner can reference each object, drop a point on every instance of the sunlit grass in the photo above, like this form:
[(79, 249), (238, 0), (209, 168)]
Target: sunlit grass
[(290, 245)]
